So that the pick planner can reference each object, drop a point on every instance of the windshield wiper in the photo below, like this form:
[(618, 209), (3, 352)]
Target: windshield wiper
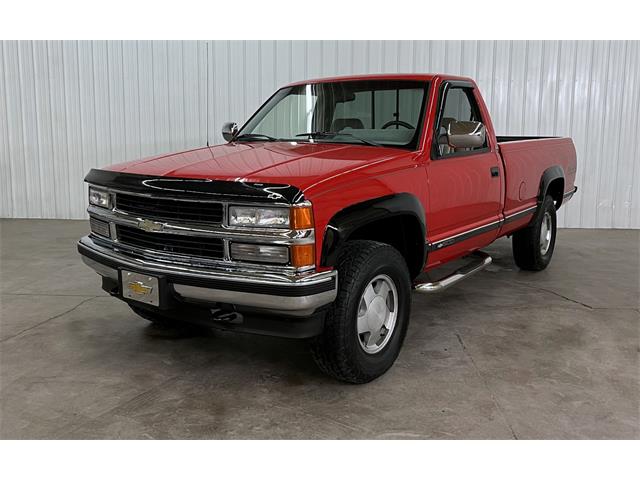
[(255, 136), (334, 134)]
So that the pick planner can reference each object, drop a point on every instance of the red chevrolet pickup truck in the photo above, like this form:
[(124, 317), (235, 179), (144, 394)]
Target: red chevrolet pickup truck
[(319, 215)]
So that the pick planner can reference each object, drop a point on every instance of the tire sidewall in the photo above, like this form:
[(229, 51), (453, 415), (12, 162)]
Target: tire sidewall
[(548, 206), (385, 261)]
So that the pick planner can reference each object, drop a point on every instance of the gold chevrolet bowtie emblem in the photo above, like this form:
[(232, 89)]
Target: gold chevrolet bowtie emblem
[(150, 226), (139, 288)]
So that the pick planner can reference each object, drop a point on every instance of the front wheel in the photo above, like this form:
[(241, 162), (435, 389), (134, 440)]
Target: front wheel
[(533, 246), (366, 325)]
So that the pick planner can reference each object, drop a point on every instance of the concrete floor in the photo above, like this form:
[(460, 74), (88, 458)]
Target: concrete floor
[(506, 354)]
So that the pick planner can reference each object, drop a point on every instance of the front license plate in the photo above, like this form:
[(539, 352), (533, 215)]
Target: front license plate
[(140, 287)]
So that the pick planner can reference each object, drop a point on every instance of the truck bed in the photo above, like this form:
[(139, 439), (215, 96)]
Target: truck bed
[(525, 161), (511, 138)]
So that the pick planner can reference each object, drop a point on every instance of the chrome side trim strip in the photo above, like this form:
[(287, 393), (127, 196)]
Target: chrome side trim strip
[(522, 213), (570, 193), (446, 242), (488, 227)]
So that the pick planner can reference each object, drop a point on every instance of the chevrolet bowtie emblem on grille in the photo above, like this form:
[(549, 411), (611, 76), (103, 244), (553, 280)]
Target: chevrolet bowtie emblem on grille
[(139, 288), (150, 226)]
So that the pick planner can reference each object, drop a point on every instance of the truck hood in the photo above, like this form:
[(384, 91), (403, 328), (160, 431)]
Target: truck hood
[(300, 164)]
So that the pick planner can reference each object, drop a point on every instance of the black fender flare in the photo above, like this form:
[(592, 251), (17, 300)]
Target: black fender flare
[(345, 222), (549, 175)]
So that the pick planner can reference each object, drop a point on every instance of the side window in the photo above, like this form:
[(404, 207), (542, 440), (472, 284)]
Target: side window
[(459, 105)]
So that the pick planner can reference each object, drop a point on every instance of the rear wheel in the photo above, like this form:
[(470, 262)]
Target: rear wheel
[(366, 325), (533, 246)]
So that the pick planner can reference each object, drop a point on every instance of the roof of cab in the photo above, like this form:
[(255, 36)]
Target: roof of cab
[(381, 76)]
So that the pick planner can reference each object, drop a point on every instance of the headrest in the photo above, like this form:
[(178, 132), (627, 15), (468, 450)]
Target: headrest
[(446, 121), (342, 123)]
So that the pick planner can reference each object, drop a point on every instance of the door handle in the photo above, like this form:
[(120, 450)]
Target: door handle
[(495, 172)]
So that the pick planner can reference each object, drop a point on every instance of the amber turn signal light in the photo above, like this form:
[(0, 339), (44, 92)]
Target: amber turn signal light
[(303, 255), (301, 218)]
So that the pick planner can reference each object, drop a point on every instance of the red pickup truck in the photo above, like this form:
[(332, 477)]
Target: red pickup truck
[(318, 216)]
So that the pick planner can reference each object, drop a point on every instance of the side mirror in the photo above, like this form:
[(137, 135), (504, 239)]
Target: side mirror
[(466, 134), (229, 131)]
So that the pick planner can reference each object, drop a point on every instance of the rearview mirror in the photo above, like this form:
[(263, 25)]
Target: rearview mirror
[(466, 134), (229, 131)]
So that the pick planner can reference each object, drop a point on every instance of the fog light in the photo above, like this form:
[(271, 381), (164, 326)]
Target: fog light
[(99, 227), (251, 252)]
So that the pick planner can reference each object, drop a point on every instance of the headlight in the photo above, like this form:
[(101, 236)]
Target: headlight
[(99, 198), (258, 217)]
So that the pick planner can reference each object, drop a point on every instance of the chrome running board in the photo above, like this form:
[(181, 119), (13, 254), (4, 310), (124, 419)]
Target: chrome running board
[(480, 261)]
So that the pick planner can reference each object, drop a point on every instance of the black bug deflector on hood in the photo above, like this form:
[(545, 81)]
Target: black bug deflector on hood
[(196, 188)]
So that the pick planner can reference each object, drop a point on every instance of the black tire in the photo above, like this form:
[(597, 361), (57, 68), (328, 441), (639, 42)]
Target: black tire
[(337, 351), (527, 246)]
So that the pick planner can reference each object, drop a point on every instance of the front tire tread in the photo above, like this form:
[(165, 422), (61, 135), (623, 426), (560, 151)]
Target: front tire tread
[(336, 351)]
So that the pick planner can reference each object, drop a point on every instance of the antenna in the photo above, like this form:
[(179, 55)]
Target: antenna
[(207, 95)]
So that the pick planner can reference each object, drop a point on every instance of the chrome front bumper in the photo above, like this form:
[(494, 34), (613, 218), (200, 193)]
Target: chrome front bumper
[(295, 295)]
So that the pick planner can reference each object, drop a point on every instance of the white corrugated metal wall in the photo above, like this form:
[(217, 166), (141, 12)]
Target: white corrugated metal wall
[(68, 106)]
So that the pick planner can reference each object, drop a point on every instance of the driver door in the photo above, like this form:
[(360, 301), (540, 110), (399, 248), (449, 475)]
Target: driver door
[(465, 188)]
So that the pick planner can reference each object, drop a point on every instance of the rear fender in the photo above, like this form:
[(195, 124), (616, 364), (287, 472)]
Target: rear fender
[(550, 175)]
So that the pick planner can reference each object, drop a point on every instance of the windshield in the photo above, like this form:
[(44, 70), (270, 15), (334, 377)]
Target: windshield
[(373, 112)]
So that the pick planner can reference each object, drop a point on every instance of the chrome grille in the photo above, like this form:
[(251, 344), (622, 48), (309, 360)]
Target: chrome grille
[(204, 247), (170, 209)]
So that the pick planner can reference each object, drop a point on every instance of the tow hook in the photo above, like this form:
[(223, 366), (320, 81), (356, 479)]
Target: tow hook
[(226, 316)]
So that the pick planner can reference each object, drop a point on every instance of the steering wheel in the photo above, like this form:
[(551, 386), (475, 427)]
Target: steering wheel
[(398, 122)]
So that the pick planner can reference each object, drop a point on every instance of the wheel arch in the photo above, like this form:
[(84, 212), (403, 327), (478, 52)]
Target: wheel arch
[(398, 220), (552, 183)]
